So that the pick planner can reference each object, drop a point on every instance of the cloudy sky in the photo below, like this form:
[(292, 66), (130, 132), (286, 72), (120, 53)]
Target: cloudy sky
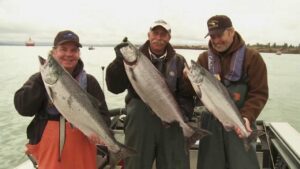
[(99, 21)]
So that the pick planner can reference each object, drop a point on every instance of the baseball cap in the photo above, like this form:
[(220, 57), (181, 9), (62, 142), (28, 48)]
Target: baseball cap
[(161, 23), (218, 24), (66, 36)]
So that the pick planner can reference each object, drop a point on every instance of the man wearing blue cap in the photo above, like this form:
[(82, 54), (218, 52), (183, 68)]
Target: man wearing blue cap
[(53, 141), (228, 54)]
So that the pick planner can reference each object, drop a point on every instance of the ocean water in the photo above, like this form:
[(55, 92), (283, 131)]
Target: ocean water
[(17, 63)]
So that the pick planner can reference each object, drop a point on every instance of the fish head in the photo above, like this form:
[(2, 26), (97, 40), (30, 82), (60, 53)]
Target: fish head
[(50, 70), (130, 53), (197, 73)]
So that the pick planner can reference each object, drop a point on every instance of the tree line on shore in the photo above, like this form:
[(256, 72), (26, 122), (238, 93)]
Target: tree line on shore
[(264, 48)]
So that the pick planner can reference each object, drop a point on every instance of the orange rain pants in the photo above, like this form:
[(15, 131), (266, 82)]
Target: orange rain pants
[(78, 151)]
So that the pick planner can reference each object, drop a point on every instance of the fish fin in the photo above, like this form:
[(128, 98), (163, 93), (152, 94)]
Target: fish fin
[(50, 93), (199, 133), (133, 75), (42, 60), (228, 128), (125, 152), (166, 125)]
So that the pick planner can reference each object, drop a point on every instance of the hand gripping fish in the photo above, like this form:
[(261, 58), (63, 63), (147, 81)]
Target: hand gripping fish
[(150, 85), (217, 100), (79, 107)]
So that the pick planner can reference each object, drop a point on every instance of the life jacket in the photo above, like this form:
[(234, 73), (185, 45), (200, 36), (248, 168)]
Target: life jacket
[(235, 80), (168, 69)]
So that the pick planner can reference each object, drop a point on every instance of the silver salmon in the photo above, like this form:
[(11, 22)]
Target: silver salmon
[(150, 85), (79, 107), (216, 98)]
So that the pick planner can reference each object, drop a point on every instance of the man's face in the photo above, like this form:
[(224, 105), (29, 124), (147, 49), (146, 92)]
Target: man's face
[(67, 54), (221, 42), (159, 38)]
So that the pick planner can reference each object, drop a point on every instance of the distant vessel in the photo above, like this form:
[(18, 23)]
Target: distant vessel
[(278, 52), (29, 42), (91, 48)]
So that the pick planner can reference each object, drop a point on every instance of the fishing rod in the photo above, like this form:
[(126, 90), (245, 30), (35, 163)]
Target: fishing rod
[(103, 87)]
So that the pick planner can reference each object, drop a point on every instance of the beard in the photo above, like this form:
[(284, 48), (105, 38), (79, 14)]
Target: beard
[(221, 47)]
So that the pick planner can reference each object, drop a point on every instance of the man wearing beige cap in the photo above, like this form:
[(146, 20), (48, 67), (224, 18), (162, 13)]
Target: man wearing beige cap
[(244, 73), (144, 131)]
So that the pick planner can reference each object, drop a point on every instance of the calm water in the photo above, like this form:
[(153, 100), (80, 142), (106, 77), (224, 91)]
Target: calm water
[(18, 63)]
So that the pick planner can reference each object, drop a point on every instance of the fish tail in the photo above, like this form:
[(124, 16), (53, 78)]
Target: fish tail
[(197, 134), (252, 138), (125, 152)]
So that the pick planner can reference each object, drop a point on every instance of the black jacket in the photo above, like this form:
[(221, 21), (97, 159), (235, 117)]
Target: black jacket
[(117, 80)]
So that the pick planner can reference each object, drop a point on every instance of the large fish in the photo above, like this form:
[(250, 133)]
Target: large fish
[(79, 107), (153, 90), (216, 99)]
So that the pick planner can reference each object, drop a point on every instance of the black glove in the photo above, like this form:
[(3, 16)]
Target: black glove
[(124, 43)]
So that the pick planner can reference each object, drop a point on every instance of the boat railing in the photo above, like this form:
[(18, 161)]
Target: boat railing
[(277, 148), (285, 145)]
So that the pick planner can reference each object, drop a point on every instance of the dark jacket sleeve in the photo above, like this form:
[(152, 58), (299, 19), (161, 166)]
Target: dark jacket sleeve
[(202, 59), (95, 90), (185, 91), (31, 97), (116, 78), (258, 91)]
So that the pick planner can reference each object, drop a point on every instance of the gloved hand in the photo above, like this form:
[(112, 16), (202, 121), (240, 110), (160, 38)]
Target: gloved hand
[(124, 43)]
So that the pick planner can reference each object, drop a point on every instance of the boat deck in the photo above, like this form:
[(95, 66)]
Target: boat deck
[(278, 148)]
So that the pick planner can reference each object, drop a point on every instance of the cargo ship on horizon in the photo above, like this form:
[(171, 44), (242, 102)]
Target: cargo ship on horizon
[(29, 42)]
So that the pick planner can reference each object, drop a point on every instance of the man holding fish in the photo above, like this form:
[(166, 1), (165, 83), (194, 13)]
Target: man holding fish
[(234, 89), (157, 98), (55, 142)]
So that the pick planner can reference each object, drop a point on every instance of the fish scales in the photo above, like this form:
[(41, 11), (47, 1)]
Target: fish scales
[(150, 85), (216, 98)]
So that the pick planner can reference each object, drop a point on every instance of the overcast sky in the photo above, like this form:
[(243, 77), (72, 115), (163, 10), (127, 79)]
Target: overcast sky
[(99, 21)]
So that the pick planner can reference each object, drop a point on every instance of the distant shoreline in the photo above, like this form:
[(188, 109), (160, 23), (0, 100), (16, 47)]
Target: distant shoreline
[(284, 49)]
